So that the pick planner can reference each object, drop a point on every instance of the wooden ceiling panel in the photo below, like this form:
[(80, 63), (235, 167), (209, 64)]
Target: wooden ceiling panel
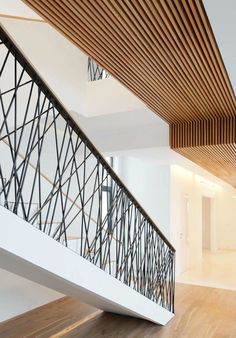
[(209, 143), (220, 160), (162, 50)]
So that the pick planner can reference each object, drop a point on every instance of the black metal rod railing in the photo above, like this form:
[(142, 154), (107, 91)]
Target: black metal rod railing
[(96, 72), (47, 161)]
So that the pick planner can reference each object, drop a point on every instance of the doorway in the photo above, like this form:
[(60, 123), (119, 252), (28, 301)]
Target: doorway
[(206, 223)]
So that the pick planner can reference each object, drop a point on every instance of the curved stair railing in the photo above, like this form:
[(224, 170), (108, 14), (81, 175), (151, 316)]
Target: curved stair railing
[(38, 137)]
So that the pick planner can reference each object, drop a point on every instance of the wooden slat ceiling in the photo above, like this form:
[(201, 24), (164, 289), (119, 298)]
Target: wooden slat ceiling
[(210, 143), (220, 160), (162, 50)]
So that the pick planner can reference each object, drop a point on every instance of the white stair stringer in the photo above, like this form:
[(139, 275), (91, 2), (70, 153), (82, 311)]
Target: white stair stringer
[(28, 252)]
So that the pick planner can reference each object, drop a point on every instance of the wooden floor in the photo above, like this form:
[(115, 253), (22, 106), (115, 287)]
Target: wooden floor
[(201, 312)]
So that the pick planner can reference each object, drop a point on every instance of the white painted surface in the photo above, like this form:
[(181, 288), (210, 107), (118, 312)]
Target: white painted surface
[(225, 219), (17, 8), (60, 64), (150, 185), (108, 96), (158, 155), (183, 254), (206, 223), (189, 183), (19, 295), (125, 130), (32, 254)]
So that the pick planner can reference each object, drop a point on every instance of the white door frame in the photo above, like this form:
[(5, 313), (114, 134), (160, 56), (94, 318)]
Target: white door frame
[(213, 246)]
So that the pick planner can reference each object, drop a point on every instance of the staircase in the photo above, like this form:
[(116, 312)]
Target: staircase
[(58, 226)]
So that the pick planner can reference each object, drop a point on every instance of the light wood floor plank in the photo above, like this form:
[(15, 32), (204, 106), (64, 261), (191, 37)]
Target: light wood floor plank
[(201, 312)]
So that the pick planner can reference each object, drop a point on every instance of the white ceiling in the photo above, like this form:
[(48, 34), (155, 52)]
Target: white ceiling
[(17, 8), (133, 129), (131, 119)]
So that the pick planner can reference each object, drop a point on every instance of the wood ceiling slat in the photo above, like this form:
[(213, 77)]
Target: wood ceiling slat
[(171, 69), (219, 159), (138, 20), (187, 33), (163, 65), (211, 57), (170, 47), (215, 149), (218, 131), (183, 58), (165, 52), (215, 49), (129, 45), (154, 79), (208, 57), (189, 59)]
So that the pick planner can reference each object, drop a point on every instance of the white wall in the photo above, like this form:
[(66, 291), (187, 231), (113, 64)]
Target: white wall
[(17, 8), (165, 191), (129, 130), (108, 96), (189, 184), (18, 295), (161, 190), (206, 223), (183, 186), (150, 185), (226, 219), (61, 64)]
